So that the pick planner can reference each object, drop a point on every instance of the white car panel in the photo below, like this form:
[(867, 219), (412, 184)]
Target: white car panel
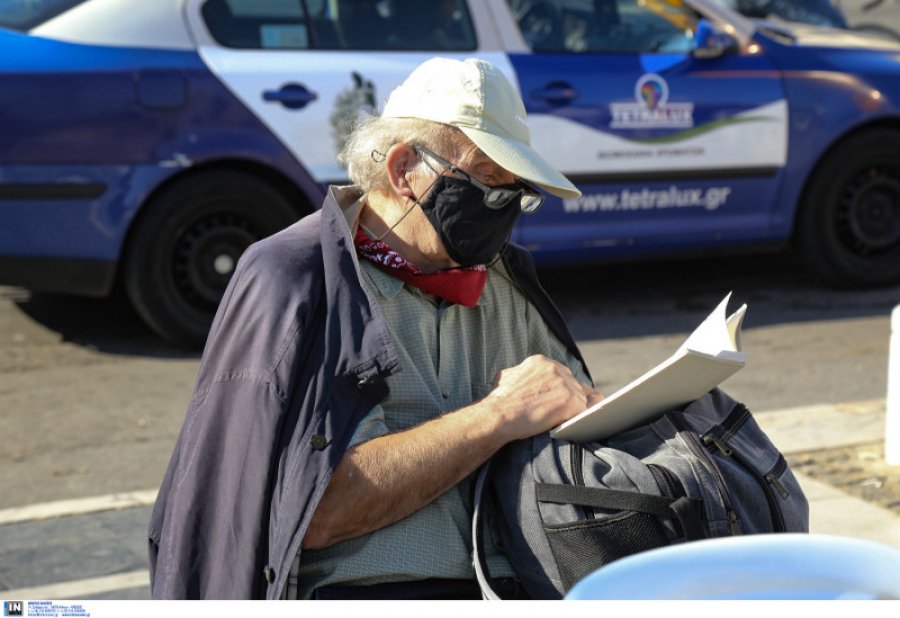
[(488, 28), (753, 139), (329, 75), (507, 28), (150, 23), (314, 134)]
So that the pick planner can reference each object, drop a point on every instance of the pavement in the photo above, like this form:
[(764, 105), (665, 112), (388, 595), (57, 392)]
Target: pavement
[(95, 548), (826, 427)]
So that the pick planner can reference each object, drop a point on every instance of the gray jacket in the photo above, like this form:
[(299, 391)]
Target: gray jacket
[(295, 358)]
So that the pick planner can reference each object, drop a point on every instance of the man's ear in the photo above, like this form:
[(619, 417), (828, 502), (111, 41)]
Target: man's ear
[(400, 160)]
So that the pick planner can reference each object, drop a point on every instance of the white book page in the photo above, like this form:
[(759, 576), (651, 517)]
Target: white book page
[(710, 355), (716, 334), (735, 321)]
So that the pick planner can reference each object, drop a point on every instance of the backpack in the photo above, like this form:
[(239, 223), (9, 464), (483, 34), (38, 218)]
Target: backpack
[(561, 510)]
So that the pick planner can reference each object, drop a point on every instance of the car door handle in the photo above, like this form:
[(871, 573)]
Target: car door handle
[(292, 96), (556, 92)]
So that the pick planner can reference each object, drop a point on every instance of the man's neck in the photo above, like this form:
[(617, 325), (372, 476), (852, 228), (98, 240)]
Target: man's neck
[(395, 224)]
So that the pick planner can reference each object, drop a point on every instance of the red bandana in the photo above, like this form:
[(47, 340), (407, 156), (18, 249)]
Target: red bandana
[(456, 285)]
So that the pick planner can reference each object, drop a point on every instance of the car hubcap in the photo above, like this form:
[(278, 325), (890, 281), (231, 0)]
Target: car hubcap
[(206, 256), (871, 213)]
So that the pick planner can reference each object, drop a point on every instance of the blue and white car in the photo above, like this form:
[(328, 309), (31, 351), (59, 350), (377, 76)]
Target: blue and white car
[(151, 142)]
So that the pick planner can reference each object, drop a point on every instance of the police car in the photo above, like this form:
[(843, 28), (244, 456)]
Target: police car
[(152, 142)]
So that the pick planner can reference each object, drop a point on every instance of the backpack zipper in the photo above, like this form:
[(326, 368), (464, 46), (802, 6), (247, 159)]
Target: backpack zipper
[(717, 438), (773, 477), (575, 461), (720, 434), (672, 487), (735, 420), (666, 479), (694, 445)]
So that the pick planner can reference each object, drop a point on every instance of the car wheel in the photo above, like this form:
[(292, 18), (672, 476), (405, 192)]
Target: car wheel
[(849, 223), (186, 244)]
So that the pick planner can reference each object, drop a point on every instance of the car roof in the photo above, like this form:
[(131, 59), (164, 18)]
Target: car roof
[(122, 23)]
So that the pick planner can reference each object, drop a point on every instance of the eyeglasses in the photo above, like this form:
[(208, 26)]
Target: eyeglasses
[(495, 198)]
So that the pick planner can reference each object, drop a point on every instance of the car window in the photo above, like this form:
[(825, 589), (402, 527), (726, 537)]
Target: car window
[(258, 24), (24, 15), (407, 25), (818, 12), (605, 26)]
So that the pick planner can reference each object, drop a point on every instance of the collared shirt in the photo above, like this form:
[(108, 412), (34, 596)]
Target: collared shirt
[(449, 356)]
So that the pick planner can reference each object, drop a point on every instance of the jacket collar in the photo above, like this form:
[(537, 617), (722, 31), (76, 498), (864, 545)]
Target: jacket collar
[(367, 352)]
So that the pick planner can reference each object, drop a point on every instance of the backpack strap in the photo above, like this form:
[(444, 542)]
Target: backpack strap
[(683, 509), (479, 559)]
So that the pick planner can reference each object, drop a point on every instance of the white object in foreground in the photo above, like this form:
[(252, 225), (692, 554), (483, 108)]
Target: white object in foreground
[(752, 567), (892, 417)]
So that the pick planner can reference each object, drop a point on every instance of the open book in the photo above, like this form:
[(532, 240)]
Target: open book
[(710, 354)]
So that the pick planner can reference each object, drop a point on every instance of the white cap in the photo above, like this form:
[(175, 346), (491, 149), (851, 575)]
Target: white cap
[(476, 97)]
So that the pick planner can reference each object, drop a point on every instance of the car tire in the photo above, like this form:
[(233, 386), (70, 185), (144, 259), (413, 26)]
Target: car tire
[(848, 230), (186, 243)]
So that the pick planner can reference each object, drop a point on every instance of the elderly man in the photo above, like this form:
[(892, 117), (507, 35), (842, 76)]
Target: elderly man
[(367, 360)]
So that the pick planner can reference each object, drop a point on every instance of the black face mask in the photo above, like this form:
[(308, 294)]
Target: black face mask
[(471, 232)]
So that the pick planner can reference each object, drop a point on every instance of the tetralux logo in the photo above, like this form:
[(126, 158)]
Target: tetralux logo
[(13, 608), (651, 108)]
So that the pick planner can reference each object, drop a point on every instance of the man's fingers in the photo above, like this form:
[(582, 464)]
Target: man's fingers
[(591, 396)]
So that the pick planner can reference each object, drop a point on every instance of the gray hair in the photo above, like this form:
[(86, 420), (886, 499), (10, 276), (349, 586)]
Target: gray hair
[(373, 136)]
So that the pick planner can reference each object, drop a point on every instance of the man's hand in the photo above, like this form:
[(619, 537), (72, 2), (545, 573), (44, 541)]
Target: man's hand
[(537, 395)]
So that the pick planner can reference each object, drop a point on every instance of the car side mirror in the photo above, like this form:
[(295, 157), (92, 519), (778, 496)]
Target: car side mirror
[(709, 42)]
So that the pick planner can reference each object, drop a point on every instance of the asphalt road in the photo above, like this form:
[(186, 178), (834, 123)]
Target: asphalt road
[(91, 402)]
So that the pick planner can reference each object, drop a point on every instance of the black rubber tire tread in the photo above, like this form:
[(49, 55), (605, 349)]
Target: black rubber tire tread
[(824, 232), (229, 202)]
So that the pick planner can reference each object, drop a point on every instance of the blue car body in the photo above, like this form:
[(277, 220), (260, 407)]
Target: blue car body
[(91, 135), (156, 155)]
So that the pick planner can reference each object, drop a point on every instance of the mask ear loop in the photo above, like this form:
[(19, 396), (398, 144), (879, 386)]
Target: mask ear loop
[(438, 174), (379, 157), (497, 257)]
